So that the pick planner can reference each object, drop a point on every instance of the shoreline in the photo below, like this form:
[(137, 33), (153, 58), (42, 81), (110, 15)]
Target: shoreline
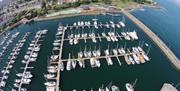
[(68, 15), (36, 19), (89, 12)]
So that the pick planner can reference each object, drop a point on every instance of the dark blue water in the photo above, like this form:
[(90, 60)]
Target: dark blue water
[(164, 22), (150, 75)]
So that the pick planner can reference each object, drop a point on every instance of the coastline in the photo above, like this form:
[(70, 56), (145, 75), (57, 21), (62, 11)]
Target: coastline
[(88, 12), (24, 21), (68, 15)]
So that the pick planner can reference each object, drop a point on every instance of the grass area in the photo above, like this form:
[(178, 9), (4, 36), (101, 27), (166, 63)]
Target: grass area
[(123, 4)]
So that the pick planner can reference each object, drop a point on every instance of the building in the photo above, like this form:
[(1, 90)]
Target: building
[(66, 1)]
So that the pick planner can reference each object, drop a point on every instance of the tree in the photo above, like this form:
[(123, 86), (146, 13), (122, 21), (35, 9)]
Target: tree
[(107, 1)]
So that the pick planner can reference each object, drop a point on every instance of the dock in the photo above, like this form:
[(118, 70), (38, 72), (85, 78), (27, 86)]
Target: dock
[(164, 48), (16, 49), (101, 57), (96, 37), (60, 56), (28, 61)]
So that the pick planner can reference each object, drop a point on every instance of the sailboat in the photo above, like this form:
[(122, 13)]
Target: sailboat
[(98, 52), (94, 52), (85, 52), (73, 63), (61, 65), (69, 64), (131, 87)]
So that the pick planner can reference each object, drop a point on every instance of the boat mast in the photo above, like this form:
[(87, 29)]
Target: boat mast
[(85, 49), (99, 47), (177, 85), (125, 45), (94, 47), (117, 46), (69, 56), (148, 49), (134, 84)]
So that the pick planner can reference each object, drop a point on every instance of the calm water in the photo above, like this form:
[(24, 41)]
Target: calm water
[(150, 75), (164, 22)]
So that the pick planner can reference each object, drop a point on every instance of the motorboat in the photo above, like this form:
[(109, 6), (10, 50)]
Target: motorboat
[(50, 83), (26, 81), (49, 76)]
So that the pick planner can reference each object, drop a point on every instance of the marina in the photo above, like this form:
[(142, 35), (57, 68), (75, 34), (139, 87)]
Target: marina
[(57, 63), (7, 44), (25, 76), (12, 59), (86, 47)]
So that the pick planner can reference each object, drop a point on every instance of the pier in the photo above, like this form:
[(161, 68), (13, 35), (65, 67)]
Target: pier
[(34, 46), (60, 55), (103, 57), (169, 54)]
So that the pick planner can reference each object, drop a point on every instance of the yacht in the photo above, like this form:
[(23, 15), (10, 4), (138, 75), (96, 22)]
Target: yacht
[(94, 53), (28, 75), (122, 24), (17, 80), (49, 76), (62, 66), (115, 88), (50, 83), (131, 59), (80, 54), (109, 61), (107, 25), (145, 57), (68, 66), (80, 63), (70, 41), (120, 51), (115, 52), (129, 87), (52, 70), (92, 62), (2, 84), (140, 49), (106, 52), (26, 81), (50, 88), (118, 26), (98, 53), (136, 59), (104, 34), (74, 64), (97, 62)]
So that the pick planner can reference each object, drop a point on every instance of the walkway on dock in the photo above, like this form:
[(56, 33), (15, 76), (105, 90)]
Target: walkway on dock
[(103, 57), (170, 55), (60, 55)]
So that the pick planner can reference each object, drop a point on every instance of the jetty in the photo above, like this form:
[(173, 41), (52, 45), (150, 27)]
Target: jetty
[(59, 62), (164, 48), (103, 57)]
